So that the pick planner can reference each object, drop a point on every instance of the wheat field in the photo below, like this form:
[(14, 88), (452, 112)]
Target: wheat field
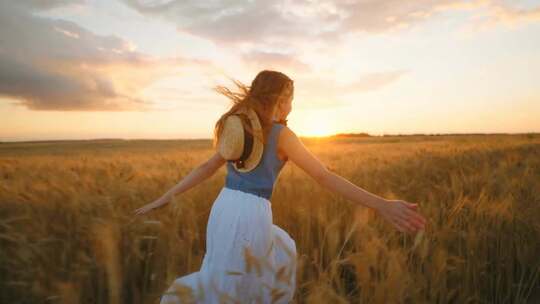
[(67, 233)]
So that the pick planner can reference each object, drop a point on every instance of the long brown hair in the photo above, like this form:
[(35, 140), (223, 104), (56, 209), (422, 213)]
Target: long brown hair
[(262, 96)]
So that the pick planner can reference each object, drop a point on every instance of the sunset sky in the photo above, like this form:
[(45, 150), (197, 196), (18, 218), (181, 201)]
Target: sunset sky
[(145, 69)]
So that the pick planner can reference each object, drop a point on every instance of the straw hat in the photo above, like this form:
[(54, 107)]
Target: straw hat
[(239, 146)]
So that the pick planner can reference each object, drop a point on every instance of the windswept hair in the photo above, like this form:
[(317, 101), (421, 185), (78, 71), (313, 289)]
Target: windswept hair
[(262, 96)]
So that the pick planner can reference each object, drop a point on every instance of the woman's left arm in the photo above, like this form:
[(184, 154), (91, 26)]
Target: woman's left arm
[(196, 176)]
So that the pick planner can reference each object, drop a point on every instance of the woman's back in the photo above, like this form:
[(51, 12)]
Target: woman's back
[(240, 232), (259, 181)]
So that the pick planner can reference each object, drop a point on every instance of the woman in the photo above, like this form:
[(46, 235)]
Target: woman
[(240, 232)]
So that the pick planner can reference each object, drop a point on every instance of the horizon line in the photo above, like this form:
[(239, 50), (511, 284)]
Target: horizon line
[(2, 141)]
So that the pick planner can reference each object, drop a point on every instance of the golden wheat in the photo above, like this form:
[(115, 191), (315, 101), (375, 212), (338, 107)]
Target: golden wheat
[(67, 233)]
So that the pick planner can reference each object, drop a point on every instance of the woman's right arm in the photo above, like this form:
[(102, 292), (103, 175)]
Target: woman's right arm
[(196, 176), (400, 213)]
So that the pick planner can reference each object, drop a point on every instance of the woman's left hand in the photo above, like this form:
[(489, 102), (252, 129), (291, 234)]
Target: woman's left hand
[(155, 204), (403, 215)]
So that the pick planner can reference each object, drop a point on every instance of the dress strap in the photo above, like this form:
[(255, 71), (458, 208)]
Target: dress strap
[(276, 129)]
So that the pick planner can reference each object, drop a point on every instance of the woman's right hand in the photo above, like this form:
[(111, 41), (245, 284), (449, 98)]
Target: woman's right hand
[(403, 215), (153, 205)]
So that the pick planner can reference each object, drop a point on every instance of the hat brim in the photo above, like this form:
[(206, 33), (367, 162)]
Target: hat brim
[(255, 156)]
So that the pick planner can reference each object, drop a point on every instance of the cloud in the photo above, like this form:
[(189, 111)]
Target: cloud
[(50, 64), (246, 22), (275, 61), (379, 16), (291, 22), (373, 81), (326, 92), (47, 4), (496, 13)]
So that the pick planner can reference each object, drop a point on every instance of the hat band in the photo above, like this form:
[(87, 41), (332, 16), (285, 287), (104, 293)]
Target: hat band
[(282, 121), (248, 142)]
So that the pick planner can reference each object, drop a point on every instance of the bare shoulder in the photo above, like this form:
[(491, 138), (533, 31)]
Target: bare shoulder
[(293, 149), (289, 142), (286, 132), (285, 137)]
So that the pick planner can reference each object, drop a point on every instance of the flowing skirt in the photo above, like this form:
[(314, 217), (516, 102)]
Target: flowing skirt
[(248, 259)]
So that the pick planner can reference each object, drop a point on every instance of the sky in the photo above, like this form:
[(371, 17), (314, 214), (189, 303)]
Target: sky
[(145, 69)]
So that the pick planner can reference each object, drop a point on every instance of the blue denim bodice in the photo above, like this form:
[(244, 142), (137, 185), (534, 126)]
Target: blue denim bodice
[(259, 181)]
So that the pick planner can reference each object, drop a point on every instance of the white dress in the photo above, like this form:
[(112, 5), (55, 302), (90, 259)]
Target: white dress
[(240, 220)]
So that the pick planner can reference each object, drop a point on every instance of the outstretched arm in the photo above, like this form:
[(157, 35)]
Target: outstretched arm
[(196, 176), (400, 213)]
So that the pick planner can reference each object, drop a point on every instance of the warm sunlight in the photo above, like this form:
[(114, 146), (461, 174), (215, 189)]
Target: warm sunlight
[(419, 143), (139, 72), (317, 132), (314, 123)]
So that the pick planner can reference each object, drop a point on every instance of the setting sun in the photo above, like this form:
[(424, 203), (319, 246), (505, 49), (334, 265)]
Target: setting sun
[(341, 151), (318, 131), (316, 124), (152, 75)]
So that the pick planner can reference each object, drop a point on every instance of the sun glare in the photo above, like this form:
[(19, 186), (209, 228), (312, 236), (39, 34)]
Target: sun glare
[(317, 132), (315, 126)]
